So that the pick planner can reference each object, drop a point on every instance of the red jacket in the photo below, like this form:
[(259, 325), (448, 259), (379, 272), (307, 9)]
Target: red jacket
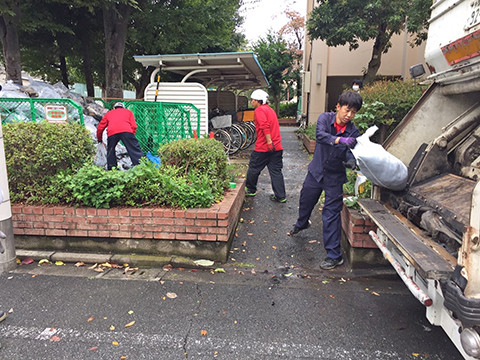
[(266, 122), (117, 121)]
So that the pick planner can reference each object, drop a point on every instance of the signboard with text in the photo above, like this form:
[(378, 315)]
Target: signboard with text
[(56, 113)]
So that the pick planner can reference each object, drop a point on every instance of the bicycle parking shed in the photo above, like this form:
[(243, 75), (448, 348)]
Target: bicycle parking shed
[(223, 107)]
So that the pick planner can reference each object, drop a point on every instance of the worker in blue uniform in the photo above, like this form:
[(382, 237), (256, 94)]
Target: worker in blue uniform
[(335, 135)]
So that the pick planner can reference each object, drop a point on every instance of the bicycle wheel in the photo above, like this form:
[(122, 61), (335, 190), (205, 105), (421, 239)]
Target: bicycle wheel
[(223, 136), (251, 125), (242, 132), (248, 135), (236, 139)]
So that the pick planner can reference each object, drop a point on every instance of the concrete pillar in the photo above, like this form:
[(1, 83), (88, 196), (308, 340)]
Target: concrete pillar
[(8, 258)]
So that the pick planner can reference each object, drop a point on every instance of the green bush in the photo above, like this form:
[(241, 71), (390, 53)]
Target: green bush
[(288, 110), (36, 152), (385, 103), (198, 156)]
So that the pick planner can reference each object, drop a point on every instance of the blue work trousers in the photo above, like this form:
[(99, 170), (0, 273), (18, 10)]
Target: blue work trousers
[(331, 213), (274, 162)]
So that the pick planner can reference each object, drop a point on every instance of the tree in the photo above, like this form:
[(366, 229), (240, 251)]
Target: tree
[(180, 26), (295, 30), (9, 22), (275, 59), (338, 22)]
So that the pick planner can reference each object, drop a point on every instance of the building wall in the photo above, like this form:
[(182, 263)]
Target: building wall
[(328, 70)]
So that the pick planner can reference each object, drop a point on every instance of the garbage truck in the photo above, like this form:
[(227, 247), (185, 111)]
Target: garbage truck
[(429, 231)]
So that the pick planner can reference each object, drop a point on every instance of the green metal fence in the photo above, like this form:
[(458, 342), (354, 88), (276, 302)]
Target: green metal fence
[(160, 123), (27, 109)]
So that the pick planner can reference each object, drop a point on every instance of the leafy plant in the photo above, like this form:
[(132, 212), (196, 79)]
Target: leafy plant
[(385, 104), (364, 190), (36, 152)]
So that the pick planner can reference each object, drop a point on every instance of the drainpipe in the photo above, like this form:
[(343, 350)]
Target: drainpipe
[(8, 256)]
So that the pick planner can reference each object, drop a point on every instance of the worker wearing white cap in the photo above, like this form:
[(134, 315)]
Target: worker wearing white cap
[(268, 149), (121, 126)]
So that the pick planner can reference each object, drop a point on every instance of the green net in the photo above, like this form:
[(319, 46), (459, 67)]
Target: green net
[(160, 123), (27, 109)]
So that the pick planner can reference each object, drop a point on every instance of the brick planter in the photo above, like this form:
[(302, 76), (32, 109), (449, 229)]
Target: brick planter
[(205, 233), (361, 249), (308, 143)]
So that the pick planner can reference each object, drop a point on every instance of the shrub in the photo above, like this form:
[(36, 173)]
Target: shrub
[(385, 103), (36, 152), (198, 156), (288, 110)]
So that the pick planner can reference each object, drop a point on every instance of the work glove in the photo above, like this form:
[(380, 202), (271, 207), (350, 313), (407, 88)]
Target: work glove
[(350, 164), (270, 147), (348, 141)]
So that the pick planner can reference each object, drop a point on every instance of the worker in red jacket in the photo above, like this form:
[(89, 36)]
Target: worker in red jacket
[(121, 125), (268, 149)]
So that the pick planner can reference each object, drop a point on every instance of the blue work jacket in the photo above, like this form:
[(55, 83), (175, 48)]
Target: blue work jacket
[(328, 158)]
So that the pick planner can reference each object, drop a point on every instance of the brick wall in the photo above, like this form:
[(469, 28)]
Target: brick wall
[(210, 225), (356, 227)]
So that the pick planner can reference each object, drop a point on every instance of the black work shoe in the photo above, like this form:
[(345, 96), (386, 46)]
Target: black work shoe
[(3, 315), (296, 229), (274, 198), (250, 193), (330, 263)]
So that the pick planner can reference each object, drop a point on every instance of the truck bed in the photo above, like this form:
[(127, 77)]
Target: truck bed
[(429, 259)]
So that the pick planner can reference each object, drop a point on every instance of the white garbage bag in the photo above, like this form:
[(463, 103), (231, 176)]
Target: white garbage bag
[(101, 155), (378, 165)]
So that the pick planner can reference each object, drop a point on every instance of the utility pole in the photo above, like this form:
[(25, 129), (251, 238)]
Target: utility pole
[(7, 242)]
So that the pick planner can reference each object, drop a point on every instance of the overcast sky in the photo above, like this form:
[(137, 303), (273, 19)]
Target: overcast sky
[(261, 15)]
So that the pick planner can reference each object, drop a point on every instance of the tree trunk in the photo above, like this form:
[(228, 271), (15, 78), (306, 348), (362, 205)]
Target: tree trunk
[(11, 45), (84, 37), (115, 20), (63, 70), (381, 42)]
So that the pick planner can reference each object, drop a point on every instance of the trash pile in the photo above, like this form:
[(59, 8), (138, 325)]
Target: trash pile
[(93, 111)]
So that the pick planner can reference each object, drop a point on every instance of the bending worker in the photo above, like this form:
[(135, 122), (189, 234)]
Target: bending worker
[(268, 149), (121, 125), (335, 135)]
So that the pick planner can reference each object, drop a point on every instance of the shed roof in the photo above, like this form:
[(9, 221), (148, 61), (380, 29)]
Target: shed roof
[(237, 69)]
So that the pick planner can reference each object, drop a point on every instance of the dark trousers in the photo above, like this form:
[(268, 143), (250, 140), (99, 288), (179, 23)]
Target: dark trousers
[(130, 142), (274, 162), (331, 213)]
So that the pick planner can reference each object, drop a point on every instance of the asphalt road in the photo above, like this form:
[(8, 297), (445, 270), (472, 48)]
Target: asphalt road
[(272, 301)]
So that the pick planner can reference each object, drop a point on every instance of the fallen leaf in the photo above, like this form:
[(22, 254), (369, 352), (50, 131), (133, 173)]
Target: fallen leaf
[(249, 234), (27, 261), (10, 311), (203, 332), (253, 272), (98, 269), (312, 241), (115, 266), (78, 264), (115, 343), (55, 338), (244, 243), (112, 327), (233, 259), (130, 324), (106, 264), (10, 278), (91, 318), (416, 354), (215, 353), (171, 295), (129, 269), (168, 267), (162, 282), (220, 270), (376, 294), (34, 275), (123, 357), (288, 275), (44, 262), (274, 247), (203, 262), (59, 263), (93, 266), (130, 312), (93, 348)]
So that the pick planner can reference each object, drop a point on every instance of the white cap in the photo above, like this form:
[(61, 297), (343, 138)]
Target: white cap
[(118, 105), (259, 95)]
